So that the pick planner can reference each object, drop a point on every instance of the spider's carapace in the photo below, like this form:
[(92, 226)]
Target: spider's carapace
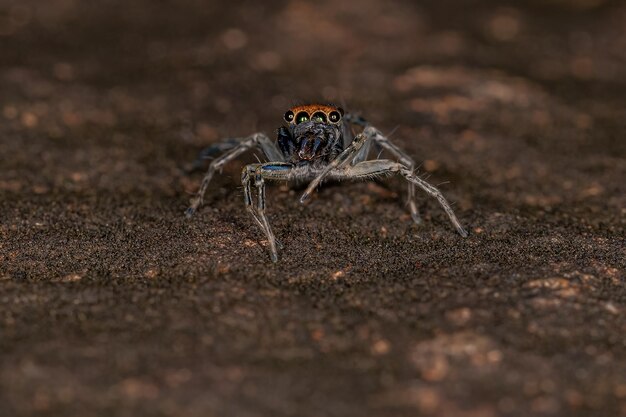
[(313, 134)]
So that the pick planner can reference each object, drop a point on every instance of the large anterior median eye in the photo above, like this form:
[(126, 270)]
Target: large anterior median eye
[(302, 117), (289, 116), (334, 116), (319, 117)]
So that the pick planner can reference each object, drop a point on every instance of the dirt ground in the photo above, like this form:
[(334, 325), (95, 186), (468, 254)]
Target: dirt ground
[(112, 303)]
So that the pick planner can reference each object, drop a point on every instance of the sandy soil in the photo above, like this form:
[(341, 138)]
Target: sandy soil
[(112, 303)]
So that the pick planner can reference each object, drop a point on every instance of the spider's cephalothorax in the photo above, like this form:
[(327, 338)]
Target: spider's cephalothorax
[(313, 134), (317, 143)]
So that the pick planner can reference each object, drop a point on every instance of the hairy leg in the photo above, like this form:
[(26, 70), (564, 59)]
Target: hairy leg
[(408, 162), (212, 151), (259, 172), (247, 174), (370, 169), (243, 145), (350, 121), (362, 154), (341, 160), (402, 157), (260, 186)]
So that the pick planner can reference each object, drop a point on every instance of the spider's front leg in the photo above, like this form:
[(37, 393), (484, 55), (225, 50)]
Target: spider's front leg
[(279, 171), (234, 148), (341, 160), (369, 169)]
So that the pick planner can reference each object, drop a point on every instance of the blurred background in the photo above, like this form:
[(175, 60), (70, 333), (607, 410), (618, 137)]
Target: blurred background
[(111, 303), (194, 71)]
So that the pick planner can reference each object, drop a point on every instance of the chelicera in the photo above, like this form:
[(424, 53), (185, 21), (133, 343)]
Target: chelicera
[(316, 143)]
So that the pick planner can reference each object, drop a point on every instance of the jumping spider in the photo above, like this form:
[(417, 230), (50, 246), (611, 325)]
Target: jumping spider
[(317, 143)]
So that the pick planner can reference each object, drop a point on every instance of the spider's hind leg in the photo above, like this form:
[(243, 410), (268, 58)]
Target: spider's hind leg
[(234, 148), (211, 152), (408, 162)]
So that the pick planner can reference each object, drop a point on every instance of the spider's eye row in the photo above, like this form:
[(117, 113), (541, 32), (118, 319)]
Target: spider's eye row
[(289, 116), (334, 116), (319, 117), (302, 117)]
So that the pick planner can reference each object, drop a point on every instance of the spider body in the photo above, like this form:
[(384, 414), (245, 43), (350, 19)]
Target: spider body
[(315, 143)]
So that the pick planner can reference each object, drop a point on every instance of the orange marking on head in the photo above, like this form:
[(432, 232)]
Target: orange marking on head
[(311, 109)]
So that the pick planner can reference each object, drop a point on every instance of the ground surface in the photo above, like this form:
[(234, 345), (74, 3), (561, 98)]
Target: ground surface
[(112, 303)]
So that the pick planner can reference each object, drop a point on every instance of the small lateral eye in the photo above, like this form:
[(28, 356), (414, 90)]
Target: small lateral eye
[(319, 117), (302, 117), (334, 116), (289, 116)]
